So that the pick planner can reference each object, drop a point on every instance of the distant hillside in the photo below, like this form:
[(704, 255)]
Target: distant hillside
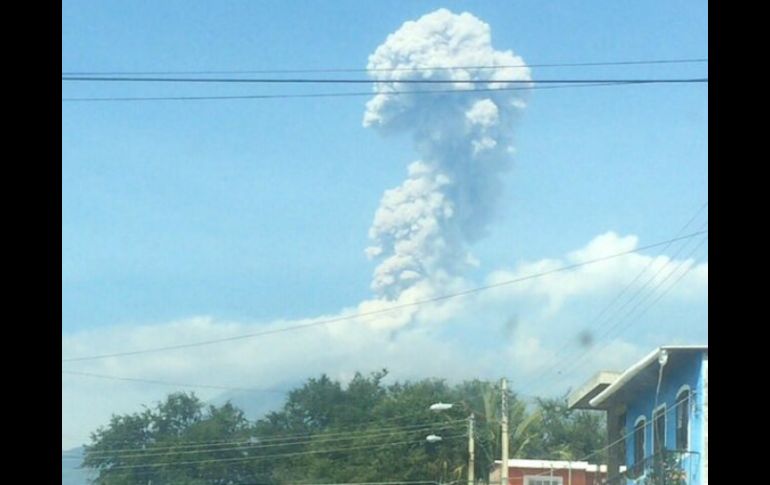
[(254, 406), (71, 474)]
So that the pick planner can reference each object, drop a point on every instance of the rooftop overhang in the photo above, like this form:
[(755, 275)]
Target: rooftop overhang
[(581, 397), (552, 464), (604, 388), (641, 375)]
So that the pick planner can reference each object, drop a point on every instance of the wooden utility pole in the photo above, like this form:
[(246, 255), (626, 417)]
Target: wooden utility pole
[(504, 433), (471, 451)]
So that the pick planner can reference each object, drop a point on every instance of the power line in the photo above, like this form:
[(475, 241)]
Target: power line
[(272, 441), (415, 482), (648, 422), (625, 321), (289, 437), (279, 455), (371, 81), (650, 305), (393, 69), (338, 95), (166, 452), (556, 362), (377, 483), (623, 437), (330, 95), (167, 383), (382, 310), (652, 292)]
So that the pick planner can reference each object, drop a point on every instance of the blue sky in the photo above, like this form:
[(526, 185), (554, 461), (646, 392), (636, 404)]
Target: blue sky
[(255, 211)]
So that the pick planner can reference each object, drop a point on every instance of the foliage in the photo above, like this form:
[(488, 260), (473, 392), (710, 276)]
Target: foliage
[(666, 469), (566, 434), (153, 446), (325, 432)]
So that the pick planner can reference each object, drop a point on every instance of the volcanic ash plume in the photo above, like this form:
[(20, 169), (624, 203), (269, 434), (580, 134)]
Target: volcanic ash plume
[(423, 227)]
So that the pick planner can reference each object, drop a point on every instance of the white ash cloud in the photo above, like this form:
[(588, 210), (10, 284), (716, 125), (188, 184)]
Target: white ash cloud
[(422, 228)]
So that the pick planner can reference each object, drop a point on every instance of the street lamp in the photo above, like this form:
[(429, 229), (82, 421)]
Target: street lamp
[(503, 432), (440, 406)]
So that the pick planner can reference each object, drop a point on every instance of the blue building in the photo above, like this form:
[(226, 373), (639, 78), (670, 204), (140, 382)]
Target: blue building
[(657, 417)]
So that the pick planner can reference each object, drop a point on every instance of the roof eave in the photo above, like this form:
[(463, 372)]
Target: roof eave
[(580, 398), (635, 369)]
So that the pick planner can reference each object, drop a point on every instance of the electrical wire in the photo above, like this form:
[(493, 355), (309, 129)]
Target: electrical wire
[(337, 95), (301, 453), (371, 81), (276, 441), (167, 383), (582, 359), (559, 356), (245, 447), (642, 288), (383, 310), (274, 438), (647, 422), (395, 69)]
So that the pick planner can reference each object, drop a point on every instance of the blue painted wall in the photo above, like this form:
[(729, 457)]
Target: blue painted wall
[(687, 372)]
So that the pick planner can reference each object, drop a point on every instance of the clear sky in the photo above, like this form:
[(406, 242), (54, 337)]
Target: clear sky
[(233, 215)]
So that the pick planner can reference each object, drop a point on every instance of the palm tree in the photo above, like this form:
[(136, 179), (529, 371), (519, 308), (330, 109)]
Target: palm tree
[(483, 399)]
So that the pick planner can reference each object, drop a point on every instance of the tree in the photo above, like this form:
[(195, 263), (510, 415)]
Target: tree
[(154, 445), (566, 434), (327, 432)]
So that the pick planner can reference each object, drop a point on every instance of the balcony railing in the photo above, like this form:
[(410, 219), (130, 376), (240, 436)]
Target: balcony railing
[(667, 467)]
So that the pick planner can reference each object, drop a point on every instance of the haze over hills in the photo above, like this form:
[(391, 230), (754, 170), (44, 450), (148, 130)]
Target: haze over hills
[(71, 474), (253, 406)]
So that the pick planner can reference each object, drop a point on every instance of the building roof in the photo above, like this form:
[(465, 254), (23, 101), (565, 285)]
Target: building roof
[(599, 382), (596, 392), (553, 464)]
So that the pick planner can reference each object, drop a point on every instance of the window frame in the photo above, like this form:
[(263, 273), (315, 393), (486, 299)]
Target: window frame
[(555, 480), (638, 455), (685, 389), (658, 413), (622, 449)]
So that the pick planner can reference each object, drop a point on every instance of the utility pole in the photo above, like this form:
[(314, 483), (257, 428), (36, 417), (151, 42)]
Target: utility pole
[(504, 432), (471, 451)]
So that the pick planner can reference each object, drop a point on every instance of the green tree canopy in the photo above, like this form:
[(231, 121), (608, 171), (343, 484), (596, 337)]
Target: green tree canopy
[(327, 432)]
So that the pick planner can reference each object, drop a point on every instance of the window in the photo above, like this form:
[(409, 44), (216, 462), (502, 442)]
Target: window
[(540, 480), (683, 419), (659, 431), (641, 424), (621, 448)]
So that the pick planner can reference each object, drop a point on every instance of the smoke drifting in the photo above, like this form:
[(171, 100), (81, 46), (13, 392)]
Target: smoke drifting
[(422, 228)]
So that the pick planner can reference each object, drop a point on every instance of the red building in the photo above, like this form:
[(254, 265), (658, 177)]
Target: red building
[(550, 472)]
